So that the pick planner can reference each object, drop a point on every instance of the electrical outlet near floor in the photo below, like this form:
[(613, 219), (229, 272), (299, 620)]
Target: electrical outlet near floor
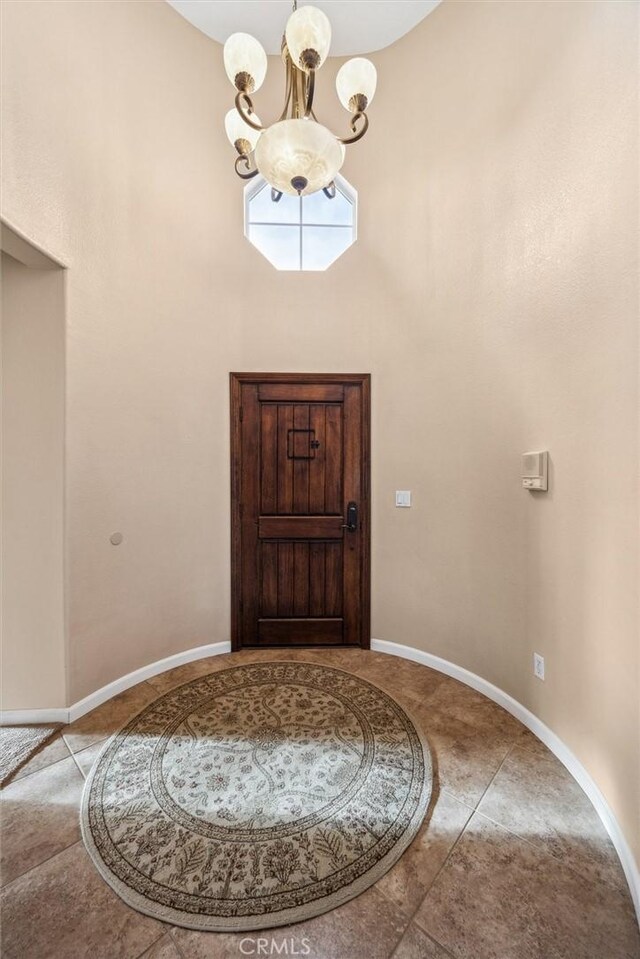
[(538, 665)]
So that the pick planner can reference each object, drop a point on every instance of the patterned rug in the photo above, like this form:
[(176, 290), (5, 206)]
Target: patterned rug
[(18, 744), (256, 796)]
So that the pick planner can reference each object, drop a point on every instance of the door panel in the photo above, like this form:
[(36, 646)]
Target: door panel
[(333, 472), (269, 566), (269, 458), (301, 392), (300, 454), (300, 527), (300, 632), (301, 458)]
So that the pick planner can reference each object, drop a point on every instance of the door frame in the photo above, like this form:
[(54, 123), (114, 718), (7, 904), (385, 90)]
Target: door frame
[(236, 382)]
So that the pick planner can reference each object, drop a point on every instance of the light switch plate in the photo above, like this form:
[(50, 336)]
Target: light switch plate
[(535, 470), (403, 497)]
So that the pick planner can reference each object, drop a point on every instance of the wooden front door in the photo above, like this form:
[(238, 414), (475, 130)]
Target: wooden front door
[(300, 509)]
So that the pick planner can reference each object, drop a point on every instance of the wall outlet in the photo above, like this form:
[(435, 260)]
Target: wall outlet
[(538, 665)]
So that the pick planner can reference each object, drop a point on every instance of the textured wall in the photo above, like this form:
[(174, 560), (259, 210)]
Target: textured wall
[(33, 648), (492, 294)]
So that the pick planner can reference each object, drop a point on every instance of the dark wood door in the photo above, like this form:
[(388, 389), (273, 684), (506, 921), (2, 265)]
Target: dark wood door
[(300, 509)]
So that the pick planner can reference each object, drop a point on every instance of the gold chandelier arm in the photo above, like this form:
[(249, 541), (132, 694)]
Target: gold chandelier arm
[(288, 89), (298, 93), (311, 86), (244, 158), (242, 97), (354, 126)]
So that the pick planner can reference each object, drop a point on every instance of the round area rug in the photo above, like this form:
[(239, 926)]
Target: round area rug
[(256, 796)]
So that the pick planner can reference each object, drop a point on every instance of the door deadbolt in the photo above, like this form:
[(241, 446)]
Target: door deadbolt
[(352, 517)]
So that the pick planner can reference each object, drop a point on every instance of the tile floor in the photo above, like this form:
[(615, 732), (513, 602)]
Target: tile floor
[(511, 863)]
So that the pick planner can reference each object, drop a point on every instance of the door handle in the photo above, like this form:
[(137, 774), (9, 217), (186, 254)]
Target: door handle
[(352, 517)]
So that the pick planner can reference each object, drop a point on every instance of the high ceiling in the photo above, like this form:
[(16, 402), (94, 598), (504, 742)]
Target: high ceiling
[(358, 26)]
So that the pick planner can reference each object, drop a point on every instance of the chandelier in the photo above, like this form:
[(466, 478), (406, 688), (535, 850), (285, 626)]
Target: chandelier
[(296, 154)]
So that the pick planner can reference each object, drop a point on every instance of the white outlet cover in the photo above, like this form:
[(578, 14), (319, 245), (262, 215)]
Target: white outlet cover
[(538, 665)]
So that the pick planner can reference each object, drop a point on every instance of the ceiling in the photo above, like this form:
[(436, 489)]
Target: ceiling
[(358, 26)]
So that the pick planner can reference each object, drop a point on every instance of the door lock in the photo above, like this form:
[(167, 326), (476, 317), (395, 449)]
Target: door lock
[(352, 517)]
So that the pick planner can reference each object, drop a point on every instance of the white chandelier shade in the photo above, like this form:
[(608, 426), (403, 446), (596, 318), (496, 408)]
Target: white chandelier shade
[(356, 78), (296, 154), (244, 57), (240, 134), (308, 36), (293, 151)]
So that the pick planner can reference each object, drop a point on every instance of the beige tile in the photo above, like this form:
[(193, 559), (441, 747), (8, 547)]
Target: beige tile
[(164, 948), (552, 892), (340, 658), (243, 656), (465, 758), (416, 944), (368, 927), (349, 659), (500, 897), (402, 678), (527, 740), (163, 682), (64, 910), (40, 817), (51, 752), (408, 881), (87, 757), (107, 719), (462, 703), (534, 796)]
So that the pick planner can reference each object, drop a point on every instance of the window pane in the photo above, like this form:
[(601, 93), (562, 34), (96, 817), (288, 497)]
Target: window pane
[(262, 209), (321, 245), (317, 208), (280, 244)]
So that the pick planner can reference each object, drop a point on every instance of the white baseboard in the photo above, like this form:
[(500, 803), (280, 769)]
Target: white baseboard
[(33, 717), (548, 737), (25, 717)]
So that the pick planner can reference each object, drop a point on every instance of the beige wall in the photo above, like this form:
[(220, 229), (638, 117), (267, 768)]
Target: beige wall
[(492, 294), (33, 654)]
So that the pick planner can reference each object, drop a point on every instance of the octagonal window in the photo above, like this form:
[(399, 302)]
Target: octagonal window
[(300, 232)]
